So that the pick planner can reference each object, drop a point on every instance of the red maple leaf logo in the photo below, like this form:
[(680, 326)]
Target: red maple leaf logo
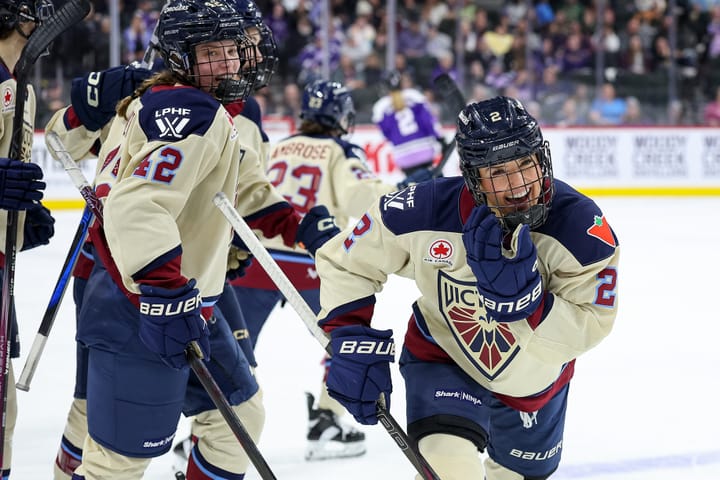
[(441, 249), (601, 230)]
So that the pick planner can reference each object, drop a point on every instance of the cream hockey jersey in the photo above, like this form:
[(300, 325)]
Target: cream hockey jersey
[(311, 170), (8, 87), (417, 233), (158, 170)]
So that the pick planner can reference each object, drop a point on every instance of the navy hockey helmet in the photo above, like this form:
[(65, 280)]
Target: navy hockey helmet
[(392, 80), (262, 37), (328, 104), (185, 24), (491, 133), (15, 12)]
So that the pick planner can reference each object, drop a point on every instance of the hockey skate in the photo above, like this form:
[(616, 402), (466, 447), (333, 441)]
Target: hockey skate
[(328, 437)]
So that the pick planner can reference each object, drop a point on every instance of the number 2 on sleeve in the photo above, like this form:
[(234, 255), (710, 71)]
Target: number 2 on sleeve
[(606, 294)]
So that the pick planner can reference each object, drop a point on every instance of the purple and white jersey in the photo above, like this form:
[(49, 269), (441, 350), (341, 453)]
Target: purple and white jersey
[(412, 129)]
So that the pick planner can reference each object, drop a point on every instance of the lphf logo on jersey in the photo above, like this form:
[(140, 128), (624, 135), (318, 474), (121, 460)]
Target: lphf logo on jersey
[(401, 200), (8, 99), (171, 121), (489, 345), (440, 252)]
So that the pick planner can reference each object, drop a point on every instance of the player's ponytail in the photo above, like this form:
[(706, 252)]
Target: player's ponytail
[(398, 102), (166, 77)]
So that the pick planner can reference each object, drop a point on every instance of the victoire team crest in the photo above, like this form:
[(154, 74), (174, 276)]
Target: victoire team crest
[(488, 344)]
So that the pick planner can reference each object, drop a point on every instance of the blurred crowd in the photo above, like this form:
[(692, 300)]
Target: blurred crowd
[(572, 62)]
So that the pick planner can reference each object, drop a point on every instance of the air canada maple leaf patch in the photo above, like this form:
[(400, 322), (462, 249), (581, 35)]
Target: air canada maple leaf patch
[(600, 229)]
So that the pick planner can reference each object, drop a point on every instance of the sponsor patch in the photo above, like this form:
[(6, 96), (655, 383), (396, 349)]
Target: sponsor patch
[(440, 251), (600, 229)]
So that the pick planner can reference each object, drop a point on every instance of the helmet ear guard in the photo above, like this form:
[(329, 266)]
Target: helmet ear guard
[(496, 131)]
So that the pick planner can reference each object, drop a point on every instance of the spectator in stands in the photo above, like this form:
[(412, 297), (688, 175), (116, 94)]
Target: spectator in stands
[(136, 38), (411, 40), (711, 114), (634, 114), (499, 40), (577, 54), (607, 108), (635, 59), (360, 36)]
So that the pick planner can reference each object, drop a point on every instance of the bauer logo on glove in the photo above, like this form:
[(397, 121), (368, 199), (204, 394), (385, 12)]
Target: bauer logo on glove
[(169, 309)]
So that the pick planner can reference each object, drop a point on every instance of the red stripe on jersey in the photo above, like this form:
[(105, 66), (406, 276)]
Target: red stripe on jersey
[(536, 402), (97, 235), (302, 275), (2, 260), (71, 119), (83, 267), (359, 316), (420, 347), (283, 221)]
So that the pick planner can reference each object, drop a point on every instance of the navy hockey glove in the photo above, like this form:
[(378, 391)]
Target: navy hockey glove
[(316, 228), (39, 227), (95, 96), (508, 281), (360, 370), (170, 319), (20, 185), (238, 261), (418, 176)]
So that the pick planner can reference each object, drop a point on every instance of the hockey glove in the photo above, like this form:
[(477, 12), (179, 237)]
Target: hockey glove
[(170, 319), (509, 281), (95, 96), (360, 370), (20, 185), (418, 176), (238, 261), (39, 227), (316, 228)]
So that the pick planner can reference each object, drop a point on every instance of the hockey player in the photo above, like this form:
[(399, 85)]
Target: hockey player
[(168, 151), (315, 166), (21, 187), (405, 119), (518, 276)]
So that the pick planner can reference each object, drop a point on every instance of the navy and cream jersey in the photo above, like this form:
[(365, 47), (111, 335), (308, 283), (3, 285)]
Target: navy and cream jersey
[(8, 87), (309, 170), (255, 196), (417, 233)]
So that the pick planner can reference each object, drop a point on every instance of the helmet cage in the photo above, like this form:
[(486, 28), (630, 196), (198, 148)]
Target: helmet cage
[(499, 131), (184, 25), (13, 13), (268, 50)]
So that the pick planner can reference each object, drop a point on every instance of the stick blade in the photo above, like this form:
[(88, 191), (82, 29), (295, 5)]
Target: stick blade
[(450, 93), (68, 15)]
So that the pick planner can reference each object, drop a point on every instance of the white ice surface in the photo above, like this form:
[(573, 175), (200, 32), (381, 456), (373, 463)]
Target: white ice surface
[(643, 404)]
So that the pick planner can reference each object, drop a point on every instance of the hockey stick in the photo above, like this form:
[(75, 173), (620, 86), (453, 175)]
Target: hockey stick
[(309, 318), (193, 352), (48, 319), (70, 13), (449, 91)]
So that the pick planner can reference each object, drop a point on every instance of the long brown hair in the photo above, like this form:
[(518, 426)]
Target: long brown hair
[(166, 77)]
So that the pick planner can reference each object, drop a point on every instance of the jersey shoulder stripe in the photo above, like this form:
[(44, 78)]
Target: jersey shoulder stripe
[(172, 113), (433, 205), (579, 225)]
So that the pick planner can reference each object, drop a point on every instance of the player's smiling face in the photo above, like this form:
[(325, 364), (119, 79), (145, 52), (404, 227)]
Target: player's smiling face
[(512, 186), (216, 61)]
